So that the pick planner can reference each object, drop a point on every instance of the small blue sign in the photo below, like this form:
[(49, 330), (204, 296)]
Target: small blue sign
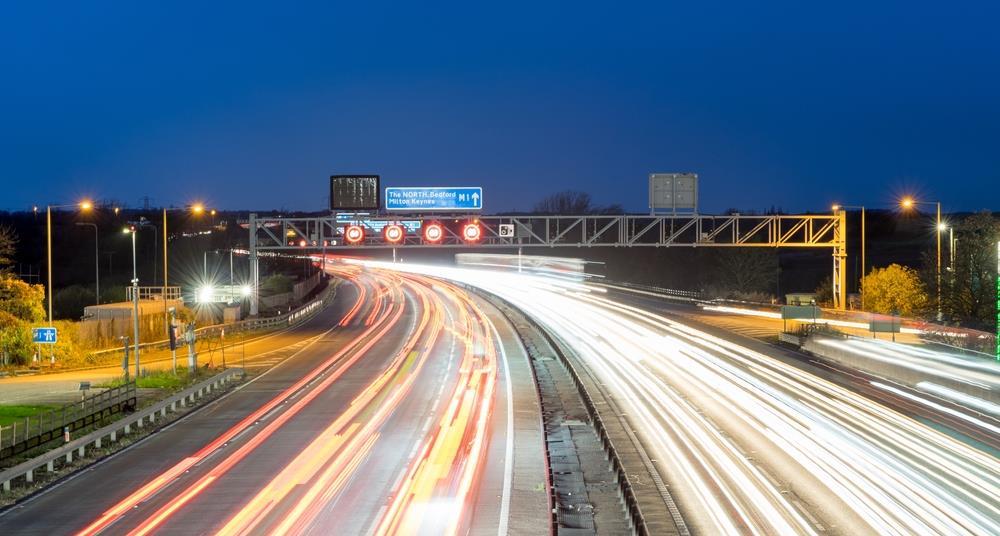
[(377, 226), (43, 335), (434, 198)]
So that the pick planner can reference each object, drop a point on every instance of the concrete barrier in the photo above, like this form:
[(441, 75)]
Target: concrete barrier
[(26, 470)]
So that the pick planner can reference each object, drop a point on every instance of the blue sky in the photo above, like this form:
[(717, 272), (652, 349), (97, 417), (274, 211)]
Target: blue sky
[(252, 105)]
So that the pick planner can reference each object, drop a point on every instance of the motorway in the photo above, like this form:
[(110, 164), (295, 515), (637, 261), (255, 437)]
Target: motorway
[(750, 444), (396, 416)]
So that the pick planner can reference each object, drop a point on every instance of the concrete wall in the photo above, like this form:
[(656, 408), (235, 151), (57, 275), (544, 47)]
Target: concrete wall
[(104, 324), (298, 294), (303, 288), (276, 300)]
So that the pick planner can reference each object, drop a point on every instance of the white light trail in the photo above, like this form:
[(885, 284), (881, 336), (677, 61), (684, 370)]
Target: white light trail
[(745, 440)]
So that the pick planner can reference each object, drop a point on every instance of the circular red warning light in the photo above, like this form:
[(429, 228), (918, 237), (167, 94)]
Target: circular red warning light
[(433, 232), (354, 234), (394, 233), (472, 232)]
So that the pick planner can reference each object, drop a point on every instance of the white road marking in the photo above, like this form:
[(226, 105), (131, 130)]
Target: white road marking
[(508, 470)]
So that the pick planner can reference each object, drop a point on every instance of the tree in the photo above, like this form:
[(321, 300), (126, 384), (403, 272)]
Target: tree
[(8, 247), (742, 273), (20, 305), (69, 302), (894, 289), (573, 202), (824, 292), (968, 295)]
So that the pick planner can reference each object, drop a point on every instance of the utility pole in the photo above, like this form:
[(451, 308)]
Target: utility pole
[(135, 299), (938, 230), (135, 308)]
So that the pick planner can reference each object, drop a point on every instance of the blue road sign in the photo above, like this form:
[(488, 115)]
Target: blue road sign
[(377, 226), (43, 335), (434, 198)]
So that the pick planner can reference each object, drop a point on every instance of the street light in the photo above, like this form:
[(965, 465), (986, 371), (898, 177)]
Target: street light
[(864, 269), (135, 298), (97, 262), (197, 209), (908, 203), (83, 205)]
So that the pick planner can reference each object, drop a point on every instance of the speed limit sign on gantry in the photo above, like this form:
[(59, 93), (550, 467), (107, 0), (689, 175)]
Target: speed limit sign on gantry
[(506, 230)]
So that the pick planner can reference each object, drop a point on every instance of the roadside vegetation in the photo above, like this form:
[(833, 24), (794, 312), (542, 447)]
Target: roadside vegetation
[(165, 379), (12, 413)]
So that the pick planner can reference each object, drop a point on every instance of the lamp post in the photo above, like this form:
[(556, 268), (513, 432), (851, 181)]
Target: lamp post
[(143, 223), (864, 269), (135, 299), (83, 205), (197, 209), (939, 228), (952, 244), (97, 263)]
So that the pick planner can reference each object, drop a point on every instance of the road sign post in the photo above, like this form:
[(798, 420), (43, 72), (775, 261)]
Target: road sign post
[(799, 312), (884, 324), (173, 338), (192, 356), (125, 356), (434, 198), (47, 336)]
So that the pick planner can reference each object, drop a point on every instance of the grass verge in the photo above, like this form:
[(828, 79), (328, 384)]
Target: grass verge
[(165, 379), (10, 414)]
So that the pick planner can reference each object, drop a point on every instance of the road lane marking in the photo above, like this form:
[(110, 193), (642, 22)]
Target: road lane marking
[(508, 470)]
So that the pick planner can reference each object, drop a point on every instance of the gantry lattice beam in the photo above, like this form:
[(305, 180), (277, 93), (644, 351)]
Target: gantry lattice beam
[(806, 231), (768, 231)]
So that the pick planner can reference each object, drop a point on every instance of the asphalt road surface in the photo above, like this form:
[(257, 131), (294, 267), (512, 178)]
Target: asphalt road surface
[(395, 416), (749, 443)]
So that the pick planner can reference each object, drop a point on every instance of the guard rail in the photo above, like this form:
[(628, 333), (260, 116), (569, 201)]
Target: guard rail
[(25, 471)]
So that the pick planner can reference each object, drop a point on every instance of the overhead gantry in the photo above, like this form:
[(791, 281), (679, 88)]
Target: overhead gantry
[(551, 231)]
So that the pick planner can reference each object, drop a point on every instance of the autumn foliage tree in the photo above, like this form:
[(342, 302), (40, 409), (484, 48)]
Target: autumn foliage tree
[(21, 305), (894, 289)]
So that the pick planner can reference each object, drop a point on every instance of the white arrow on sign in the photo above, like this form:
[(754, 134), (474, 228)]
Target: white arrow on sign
[(475, 198)]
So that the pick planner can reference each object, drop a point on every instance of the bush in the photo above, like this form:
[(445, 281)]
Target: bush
[(15, 340)]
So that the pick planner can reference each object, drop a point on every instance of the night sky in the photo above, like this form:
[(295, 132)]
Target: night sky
[(253, 106)]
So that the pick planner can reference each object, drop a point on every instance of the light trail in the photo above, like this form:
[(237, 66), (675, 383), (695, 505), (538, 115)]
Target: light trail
[(434, 491), (446, 470), (777, 316), (749, 443), (170, 475), (976, 372)]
